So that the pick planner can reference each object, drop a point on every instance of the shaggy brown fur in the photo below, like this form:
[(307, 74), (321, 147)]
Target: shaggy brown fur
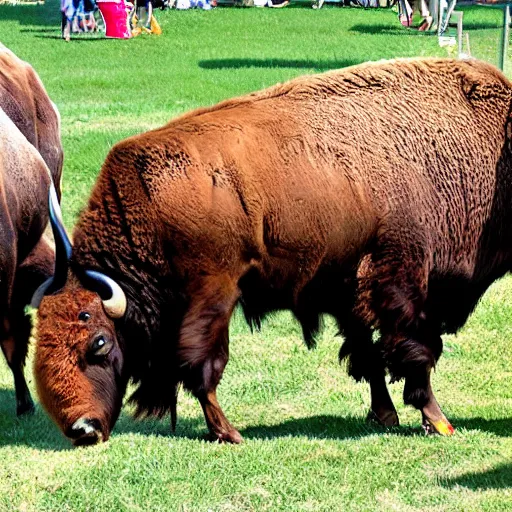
[(379, 194), (24, 99)]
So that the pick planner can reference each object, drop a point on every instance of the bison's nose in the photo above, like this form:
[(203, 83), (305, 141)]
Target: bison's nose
[(85, 431)]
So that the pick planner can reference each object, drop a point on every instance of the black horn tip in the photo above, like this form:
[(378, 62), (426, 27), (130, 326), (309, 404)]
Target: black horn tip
[(63, 247)]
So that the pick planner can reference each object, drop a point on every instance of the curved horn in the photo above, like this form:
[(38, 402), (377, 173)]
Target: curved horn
[(63, 250), (115, 305), (40, 293), (63, 246)]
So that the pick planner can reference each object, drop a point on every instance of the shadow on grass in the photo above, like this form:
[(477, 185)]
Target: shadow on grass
[(501, 427), (35, 430), (38, 430), (39, 30), (323, 427), (498, 478), (47, 14), (76, 39), (388, 30), (189, 428), (337, 427), (277, 63), (481, 26)]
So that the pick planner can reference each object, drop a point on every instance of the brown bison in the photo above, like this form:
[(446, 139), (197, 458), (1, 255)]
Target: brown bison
[(29, 137), (377, 194), (26, 259)]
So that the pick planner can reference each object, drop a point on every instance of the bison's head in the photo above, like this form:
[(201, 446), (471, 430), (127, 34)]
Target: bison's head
[(79, 357)]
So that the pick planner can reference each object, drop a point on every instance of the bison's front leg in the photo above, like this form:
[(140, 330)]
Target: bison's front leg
[(418, 392), (414, 359), (15, 346), (202, 382), (366, 363), (14, 326), (204, 350)]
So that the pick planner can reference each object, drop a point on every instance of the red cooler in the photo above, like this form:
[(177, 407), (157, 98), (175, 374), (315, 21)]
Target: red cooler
[(116, 17)]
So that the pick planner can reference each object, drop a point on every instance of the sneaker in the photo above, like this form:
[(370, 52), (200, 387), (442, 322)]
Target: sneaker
[(317, 4), (426, 24), (405, 20)]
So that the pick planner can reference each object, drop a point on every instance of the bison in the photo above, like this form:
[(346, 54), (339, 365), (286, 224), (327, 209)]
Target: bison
[(379, 194), (26, 259), (30, 159)]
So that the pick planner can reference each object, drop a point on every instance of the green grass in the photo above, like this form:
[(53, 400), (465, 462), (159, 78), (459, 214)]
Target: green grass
[(307, 446)]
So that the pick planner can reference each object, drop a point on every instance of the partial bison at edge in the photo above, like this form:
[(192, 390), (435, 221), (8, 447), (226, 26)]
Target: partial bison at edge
[(30, 159), (380, 194)]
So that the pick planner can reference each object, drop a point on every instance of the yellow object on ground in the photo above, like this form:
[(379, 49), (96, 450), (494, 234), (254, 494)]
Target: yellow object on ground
[(154, 27)]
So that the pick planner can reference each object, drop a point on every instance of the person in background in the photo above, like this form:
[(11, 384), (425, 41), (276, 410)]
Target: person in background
[(405, 13), (77, 16), (142, 19), (277, 3), (147, 5), (88, 22), (429, 13), (67, 13)]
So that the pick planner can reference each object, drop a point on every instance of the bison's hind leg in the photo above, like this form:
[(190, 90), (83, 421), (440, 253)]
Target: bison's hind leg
[(204, 350), (14, 339), (365, 362), (412, 345), (15, 346), (15, 326), (33, 271)]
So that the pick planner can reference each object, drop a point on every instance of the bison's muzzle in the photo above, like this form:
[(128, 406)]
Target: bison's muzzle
[(85, 432)]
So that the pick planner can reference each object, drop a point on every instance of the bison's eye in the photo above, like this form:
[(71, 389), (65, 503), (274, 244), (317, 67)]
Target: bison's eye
[(84, 316), (100, 346)]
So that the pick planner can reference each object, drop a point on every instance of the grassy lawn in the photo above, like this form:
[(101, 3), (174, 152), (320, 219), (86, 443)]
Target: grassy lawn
[(307, 446)]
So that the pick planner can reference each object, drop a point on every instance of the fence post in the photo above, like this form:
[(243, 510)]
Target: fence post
[(504, 37)]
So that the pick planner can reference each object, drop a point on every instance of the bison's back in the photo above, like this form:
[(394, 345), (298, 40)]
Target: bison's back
[(330, 154), (306, 174), (24, 99)]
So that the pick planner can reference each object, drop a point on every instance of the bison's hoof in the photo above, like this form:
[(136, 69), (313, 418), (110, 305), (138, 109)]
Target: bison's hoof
[(25, 408), (442, 428), (385, 418), (232, 436)]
